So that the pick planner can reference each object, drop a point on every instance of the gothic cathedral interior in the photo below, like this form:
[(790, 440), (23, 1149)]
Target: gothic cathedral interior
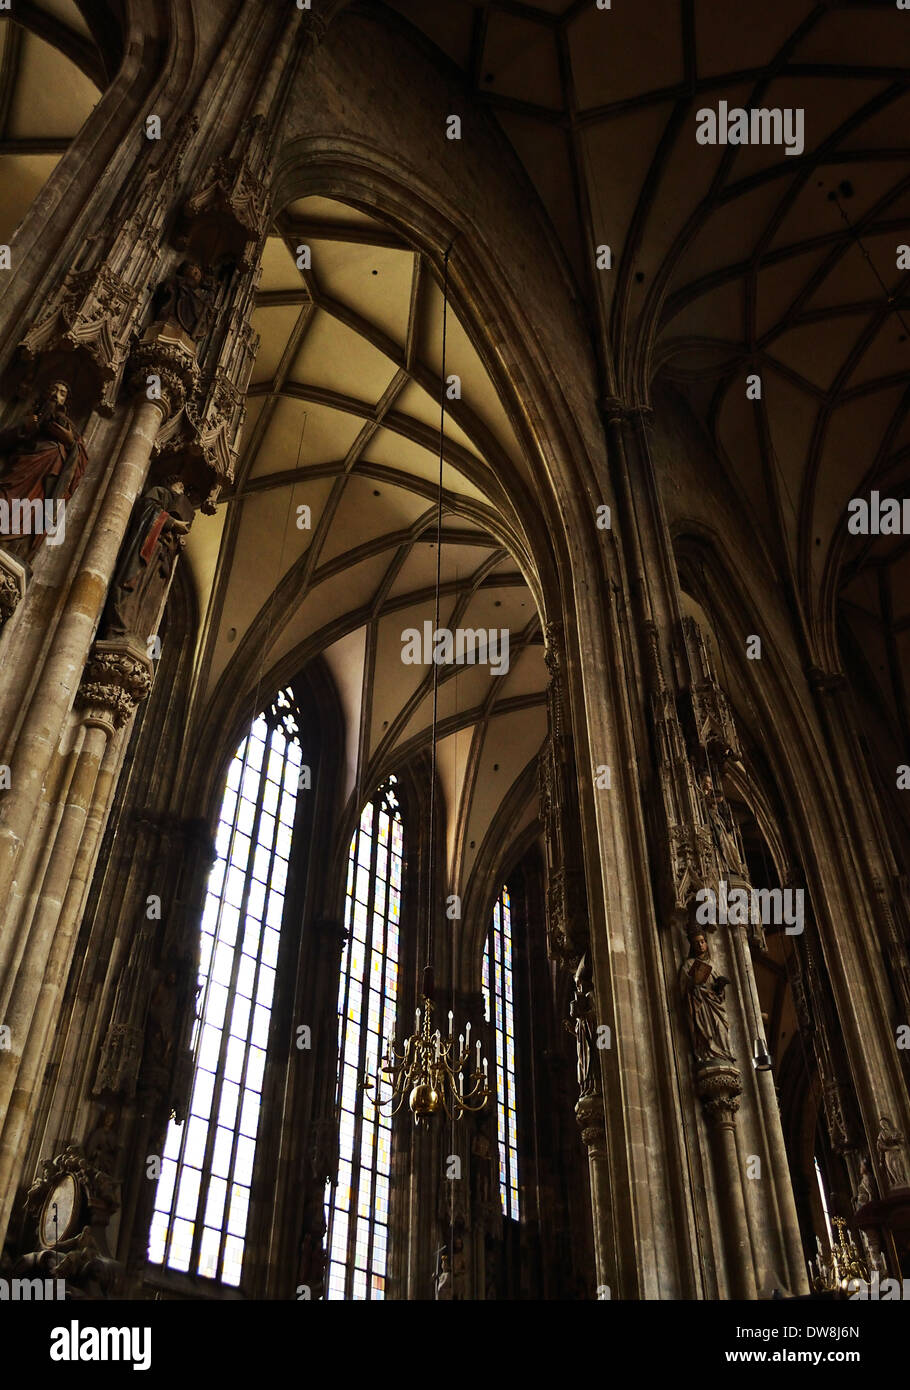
[(454, 649)]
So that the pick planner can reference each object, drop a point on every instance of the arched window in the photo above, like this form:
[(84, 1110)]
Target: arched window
[(358, 1206), (203, 1193), (498, 992)]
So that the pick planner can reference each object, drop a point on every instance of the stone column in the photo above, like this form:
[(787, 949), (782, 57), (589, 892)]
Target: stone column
[(117, 678), (771, 1128), (719, 1087), (592, 1122), (38, 740)]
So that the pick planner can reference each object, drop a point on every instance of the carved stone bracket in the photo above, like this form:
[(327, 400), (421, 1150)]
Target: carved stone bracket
[(117, 678), (589, 1112), (165, 354), (719, 1088)]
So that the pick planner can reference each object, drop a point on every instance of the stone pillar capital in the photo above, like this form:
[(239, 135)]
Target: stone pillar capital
[(719, 1089), (589, 1112), (167, 354), (116, 679)]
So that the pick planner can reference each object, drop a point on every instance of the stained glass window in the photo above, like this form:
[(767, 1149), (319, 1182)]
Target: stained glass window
[(498, 1001), (203, 1193), (358, 1206)]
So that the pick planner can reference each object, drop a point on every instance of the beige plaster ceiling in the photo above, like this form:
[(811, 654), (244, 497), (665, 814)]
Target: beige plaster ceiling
[(44, 99), (343, 418)]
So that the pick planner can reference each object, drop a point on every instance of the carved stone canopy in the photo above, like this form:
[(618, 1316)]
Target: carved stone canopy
[(86, 328), (567, 915), (12, 587)]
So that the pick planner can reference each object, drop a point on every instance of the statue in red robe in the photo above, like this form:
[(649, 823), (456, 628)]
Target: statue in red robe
[(154, 540), (42, 461)]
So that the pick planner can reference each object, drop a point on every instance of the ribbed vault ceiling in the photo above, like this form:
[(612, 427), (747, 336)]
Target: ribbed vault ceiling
[(729, 260), (343, 418), (726, 260)]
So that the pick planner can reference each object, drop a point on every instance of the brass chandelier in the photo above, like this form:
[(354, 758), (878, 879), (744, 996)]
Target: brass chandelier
[(432, 1072), (838, 1270)]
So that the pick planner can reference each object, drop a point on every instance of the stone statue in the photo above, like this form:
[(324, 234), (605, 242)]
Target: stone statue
[(865, 1187), (42, 461), (720, 822), (703, 995), (101, 1144), (186, 299), (162, 1016), (88, 1271), (38, 1190), (154, 539), (581, 1022), (890, 1145), (444, 1279), (482, 1154)]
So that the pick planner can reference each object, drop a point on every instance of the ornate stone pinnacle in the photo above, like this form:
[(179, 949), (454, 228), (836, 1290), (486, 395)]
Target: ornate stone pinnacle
[(116, 679)]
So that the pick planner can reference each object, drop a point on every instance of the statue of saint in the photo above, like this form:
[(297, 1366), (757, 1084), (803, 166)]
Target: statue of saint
[(482, 1165), (722, 831), (703, 995), (101, 1145), (444, 1290), (185, 299), (865, 1187), (42, 461), (581, 1022), (154, 539), (162, 1019), (890, 1145)]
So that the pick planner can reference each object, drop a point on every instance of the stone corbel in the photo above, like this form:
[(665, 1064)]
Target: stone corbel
[(117, 678), (719, 1087), (170, 358)]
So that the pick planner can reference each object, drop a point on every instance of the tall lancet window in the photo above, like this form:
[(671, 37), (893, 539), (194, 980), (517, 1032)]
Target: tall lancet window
[(203, 1193), (498, 999), (358, 1206)]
